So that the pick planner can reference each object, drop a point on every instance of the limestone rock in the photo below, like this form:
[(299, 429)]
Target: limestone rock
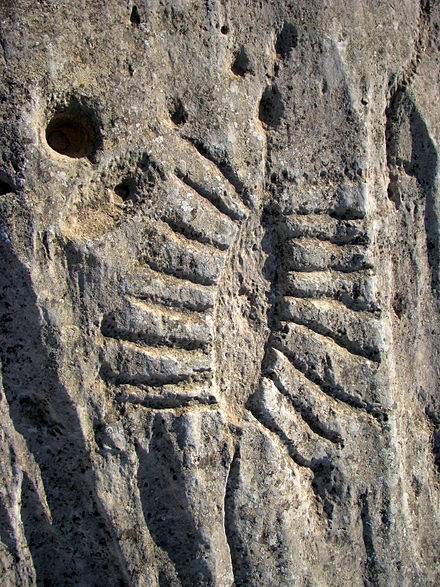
[(219, 232)]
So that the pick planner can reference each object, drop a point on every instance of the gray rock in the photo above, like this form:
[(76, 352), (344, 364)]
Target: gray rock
[(220, 280)]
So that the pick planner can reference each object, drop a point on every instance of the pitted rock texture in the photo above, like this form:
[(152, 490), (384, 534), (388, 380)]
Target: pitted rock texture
[(219, 232)]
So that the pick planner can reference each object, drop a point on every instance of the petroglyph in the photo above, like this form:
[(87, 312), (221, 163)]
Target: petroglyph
[(219, 324)]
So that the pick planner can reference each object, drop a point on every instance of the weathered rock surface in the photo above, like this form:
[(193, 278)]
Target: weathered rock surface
[(219, 240)]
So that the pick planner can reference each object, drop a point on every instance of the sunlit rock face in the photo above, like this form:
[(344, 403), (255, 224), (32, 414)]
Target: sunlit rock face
[(219, 233)]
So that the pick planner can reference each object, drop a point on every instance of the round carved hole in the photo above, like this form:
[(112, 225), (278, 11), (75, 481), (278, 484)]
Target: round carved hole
[(70, 135)]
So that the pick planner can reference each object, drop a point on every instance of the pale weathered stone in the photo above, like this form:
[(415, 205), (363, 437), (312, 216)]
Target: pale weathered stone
[(219, 232)]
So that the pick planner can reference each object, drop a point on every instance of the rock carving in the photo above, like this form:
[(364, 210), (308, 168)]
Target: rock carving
[(219, 294)]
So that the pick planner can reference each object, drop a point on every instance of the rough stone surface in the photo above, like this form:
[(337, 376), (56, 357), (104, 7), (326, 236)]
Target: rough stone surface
[(219, 293)]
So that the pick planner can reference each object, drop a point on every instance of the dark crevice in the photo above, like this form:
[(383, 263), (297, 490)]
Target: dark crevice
[(371, 567), (407, 134), (345, 211), (6, 186), (286, 40), (46, 244), (272, 269), (242, 63), (424, 166), (392, 130), (127, 190), (135, 17), (178, 113), (232, 486), (271, 108), (238, 547), (398, 95), (435, 438), (163, 485)]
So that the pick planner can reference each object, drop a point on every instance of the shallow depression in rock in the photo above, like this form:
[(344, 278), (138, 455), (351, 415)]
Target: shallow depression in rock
[(71, 135)]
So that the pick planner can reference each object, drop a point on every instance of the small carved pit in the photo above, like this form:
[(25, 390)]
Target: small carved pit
[(71, 135)]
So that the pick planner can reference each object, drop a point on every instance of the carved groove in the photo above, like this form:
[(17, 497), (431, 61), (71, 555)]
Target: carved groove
[(327, 482), (167, 402), (314, 254), (326, 343), (308, 416), (221, 163), (325, 228), (189, 232), (322, 336), (334, 391), (142, 380), (354, 291), (265, 419), (227, 210), (174, 292), (159, 341), (325, 318)]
